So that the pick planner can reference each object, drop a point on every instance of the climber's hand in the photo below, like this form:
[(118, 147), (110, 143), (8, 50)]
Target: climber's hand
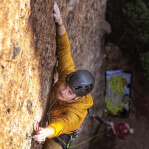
[(112, 126), (57, 15), (60, 28), (43, 133)]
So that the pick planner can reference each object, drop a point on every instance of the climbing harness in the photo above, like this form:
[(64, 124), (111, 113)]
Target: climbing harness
[(64, 140)]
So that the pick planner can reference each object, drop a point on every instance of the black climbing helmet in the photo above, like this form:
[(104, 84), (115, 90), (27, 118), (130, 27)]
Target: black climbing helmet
[(80, 82)]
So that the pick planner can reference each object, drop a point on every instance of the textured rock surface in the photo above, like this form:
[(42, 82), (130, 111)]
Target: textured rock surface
[(27, 59)]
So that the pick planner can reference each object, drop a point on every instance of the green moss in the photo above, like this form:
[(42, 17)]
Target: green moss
[(130, 30)]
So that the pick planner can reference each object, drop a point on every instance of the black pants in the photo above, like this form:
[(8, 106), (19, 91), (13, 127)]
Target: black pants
[(102, 120), (57, 142)]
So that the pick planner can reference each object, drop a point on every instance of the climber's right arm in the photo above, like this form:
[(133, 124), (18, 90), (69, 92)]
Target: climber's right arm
[(60, 28), (65, 61)]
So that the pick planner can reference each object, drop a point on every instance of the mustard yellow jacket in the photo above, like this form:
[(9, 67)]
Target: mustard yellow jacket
[(66, 117)]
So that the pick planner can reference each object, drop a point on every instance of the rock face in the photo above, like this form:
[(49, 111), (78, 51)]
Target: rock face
[(27, 59)]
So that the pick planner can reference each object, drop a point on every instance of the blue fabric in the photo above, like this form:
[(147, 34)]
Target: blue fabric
[(127, 76)]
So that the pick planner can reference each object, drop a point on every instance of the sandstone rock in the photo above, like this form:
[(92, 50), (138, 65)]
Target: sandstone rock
[(112, 52), (114, 59), (27, 59), (106, 27)]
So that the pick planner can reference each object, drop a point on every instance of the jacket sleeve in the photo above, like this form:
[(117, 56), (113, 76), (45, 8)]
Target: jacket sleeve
[(67, 122), (65, 61)]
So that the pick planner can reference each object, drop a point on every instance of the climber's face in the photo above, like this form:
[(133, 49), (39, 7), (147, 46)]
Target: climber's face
[(64, 93)]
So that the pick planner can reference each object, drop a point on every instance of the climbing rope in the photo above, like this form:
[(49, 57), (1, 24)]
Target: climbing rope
[(89, 139), (116, 100), (117, 84), (115, 106)]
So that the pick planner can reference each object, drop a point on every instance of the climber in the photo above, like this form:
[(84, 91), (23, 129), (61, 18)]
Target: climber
[(120, 129), (70, 96)]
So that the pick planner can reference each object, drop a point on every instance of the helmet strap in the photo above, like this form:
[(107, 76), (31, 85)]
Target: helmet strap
[(76, 101), (73, 98)]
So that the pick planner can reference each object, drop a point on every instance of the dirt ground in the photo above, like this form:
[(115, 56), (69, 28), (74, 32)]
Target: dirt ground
[(138, 117)]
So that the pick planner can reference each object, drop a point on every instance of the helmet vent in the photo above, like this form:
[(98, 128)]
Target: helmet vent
[(87, 89), (91, 86), (77, 87)]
